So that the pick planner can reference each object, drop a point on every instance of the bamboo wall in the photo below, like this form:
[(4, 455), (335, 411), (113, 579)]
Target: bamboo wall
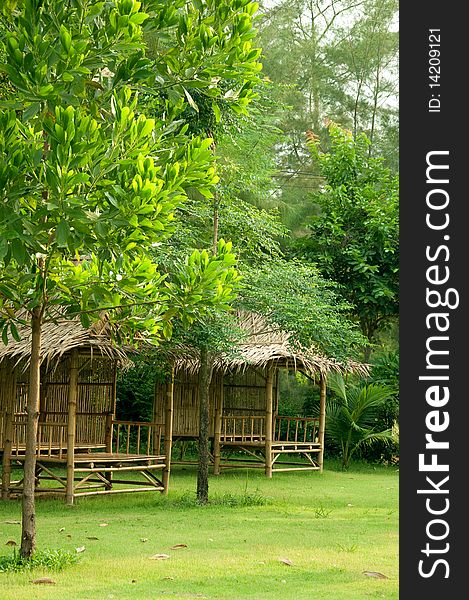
[(243, 394), (186, 403), (96, 396)]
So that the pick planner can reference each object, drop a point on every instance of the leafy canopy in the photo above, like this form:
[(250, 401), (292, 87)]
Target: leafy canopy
[(296, 298), (94, 155), (355, 239)]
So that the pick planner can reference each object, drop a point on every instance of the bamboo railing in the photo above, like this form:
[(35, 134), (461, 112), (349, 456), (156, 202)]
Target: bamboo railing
[(296, 429), (51, 438), (247, 428), (129, 437), (251, 429), (125, 437)]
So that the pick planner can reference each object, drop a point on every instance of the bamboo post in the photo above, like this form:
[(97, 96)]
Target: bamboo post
[(71, 426), (9, 397), (322, 420), (168, 431), (108, 433), (268, 422), (276, 403), (217, 430), (7, 446)]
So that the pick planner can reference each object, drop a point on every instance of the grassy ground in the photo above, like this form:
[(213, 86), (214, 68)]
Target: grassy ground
[(331, 527)]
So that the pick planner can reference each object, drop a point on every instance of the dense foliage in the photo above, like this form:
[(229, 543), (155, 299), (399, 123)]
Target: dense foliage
[(355, 238)]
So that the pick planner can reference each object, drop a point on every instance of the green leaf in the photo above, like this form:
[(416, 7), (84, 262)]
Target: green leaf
[(5, 335), (216, 112), (31, 111), (7, 292), (85, 320), (14, 332), (138, 18), (62, 234), (18, 252)]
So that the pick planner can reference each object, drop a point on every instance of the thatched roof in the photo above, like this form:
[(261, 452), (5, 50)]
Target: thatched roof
[(266, 344), (60, 337)]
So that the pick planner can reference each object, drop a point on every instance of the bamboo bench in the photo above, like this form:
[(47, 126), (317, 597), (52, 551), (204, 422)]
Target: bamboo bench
[(132, 448), (290, 436)]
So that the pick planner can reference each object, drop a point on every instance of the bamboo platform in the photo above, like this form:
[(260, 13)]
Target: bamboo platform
[(127, 458), (258, 457), (94, 473), (293, 438)]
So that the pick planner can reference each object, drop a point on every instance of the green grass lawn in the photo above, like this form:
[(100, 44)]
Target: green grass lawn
[(330, 526)]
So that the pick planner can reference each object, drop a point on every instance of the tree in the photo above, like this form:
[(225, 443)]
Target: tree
[(355, 239), (366, 60), (88, 182), (352, 415), (206, 332), (294, 297), (333, 60)]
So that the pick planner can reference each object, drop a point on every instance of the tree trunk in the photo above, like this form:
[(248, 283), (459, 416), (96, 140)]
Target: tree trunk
[(205, 376), (28, 533)]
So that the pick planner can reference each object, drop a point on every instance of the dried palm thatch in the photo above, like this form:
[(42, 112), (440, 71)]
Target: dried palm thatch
[(60, 337), (265, 344)]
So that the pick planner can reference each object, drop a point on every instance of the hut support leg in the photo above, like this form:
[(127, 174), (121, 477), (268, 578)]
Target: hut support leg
[(72, 417), (322, 420), (268, 422), (108, 438), (168, 434), (7, 446), (217, 433), (108, 432)]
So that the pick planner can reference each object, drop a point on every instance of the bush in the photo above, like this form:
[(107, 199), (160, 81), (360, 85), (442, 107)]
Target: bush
[(385, 371), (53, 560)]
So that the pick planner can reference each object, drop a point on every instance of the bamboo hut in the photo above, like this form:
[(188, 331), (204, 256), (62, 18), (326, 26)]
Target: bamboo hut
[(81, 448), (244, 401)]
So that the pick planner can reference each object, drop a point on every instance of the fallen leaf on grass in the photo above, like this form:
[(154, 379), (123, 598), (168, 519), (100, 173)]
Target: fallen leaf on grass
[(80, 549), (375, 574), (159, 556), (43, 580), (61, 529), (13, 522), (11, 543), (286, 561), (177, 546)]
